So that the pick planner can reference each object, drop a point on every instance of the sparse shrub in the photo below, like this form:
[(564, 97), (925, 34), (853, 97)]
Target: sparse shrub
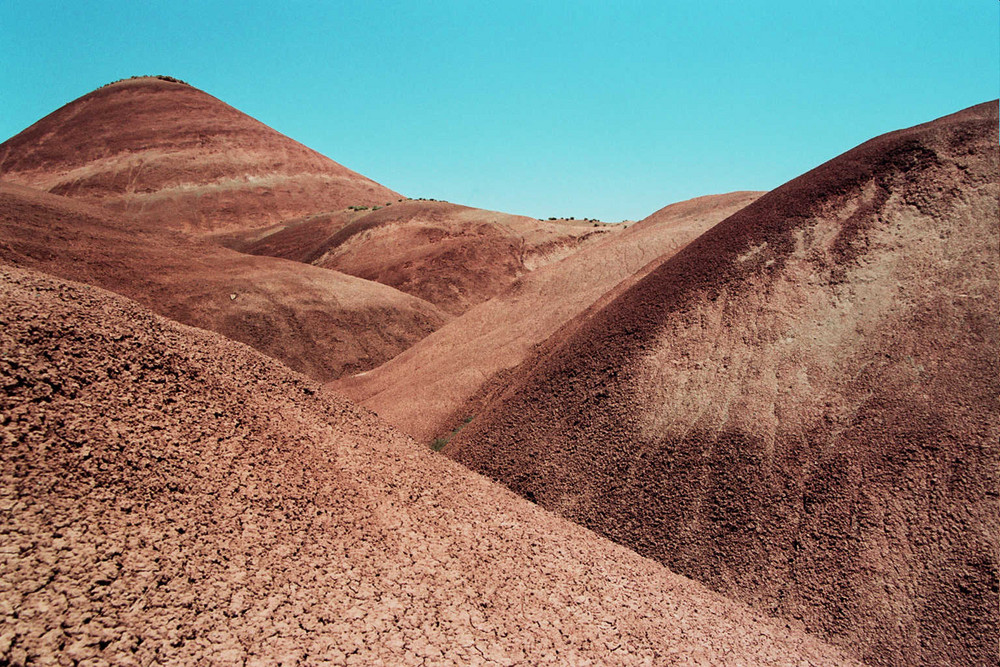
[(161, 77), (438, 443)]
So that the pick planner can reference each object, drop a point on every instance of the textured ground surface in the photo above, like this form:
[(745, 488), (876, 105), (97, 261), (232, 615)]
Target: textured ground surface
[(320, 322), (169, 153), (431, 388), (800, 409), (167, 495), (452, 256)]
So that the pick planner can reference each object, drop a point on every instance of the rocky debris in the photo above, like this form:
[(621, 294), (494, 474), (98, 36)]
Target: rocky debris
[(172, 496)]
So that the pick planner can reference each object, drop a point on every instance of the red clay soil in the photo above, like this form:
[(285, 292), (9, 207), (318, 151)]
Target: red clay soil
[(431, 388), (319, 322), (800, 409), (169, 153), (169, 496), (452, 256)]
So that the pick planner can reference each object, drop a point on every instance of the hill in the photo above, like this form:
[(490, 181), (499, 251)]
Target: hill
[(166, 152), (319, 322), (172, 496), (452, 256), (431, 388), (799, 409)]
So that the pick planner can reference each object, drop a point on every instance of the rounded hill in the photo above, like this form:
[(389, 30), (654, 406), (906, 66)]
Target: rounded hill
[(164, 151), (799, 408)]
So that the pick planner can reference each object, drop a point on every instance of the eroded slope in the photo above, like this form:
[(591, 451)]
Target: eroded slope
[(167, 495), (800, 409), (167, 152), (431, 388), (452, 256), (319, 322)]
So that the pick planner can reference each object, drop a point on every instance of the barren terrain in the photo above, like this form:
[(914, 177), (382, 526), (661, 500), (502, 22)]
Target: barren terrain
[(452, 256), (800, 408), (169, 153), (428, 390), (792, 398), (171, 496), (319, 322)]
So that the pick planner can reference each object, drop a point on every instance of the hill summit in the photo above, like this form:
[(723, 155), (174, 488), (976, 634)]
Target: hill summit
[(164, 151)]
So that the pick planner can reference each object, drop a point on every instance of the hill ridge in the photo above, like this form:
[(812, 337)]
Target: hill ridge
[(749, 412), (172, 154)]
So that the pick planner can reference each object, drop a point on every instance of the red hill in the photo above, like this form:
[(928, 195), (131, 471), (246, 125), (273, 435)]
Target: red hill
[(319, 322), (431, 388), (453, 256), (800, 408), (169, 496), (164, 151)]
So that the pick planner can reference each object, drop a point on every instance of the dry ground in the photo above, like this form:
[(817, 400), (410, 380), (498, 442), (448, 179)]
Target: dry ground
[(167, 495), (800, 408)]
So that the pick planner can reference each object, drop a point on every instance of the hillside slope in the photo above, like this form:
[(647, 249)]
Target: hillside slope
[(319, 322), (168, 496), (428, 390), (167, 152), (452, 256), (800, 409)]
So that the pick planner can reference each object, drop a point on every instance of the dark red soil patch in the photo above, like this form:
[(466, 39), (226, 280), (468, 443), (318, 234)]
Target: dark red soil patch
[(800, 408)]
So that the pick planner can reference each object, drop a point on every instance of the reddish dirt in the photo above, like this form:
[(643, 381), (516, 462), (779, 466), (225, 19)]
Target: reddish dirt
[(452, 256), (800, 408), (168, 153), (431, 388), (169, 496), (319, 322)]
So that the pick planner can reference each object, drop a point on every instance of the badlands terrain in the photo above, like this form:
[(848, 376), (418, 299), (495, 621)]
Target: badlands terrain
[(752, 428)]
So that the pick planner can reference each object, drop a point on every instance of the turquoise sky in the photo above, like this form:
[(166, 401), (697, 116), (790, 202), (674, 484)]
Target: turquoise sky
[(582, 109)]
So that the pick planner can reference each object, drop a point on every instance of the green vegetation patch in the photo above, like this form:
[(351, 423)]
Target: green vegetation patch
[(438, 443)]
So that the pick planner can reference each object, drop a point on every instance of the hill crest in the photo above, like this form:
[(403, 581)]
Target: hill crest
[(167, 152)]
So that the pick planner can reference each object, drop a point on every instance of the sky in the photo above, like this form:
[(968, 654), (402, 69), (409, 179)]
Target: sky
[(584, 109)]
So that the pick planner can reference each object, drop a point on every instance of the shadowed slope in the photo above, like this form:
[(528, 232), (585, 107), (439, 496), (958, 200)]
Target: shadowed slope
[(800, 408), (319, 322), (167, 152), (429, 389), (169, 496), (453, 256)]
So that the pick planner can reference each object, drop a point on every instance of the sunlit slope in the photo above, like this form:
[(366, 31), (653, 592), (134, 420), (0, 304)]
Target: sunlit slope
[(799, 409), (167, 152), (431, 388), (171, 496), (453, 256)]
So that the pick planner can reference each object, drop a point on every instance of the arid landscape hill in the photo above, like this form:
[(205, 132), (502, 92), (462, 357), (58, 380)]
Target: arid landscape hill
[(169, 496), (800, 408), (319, 322), (431, 388), (452, 256), (165, 152)]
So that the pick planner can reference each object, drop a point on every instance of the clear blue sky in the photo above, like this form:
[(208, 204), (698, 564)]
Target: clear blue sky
[(541, 108)]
